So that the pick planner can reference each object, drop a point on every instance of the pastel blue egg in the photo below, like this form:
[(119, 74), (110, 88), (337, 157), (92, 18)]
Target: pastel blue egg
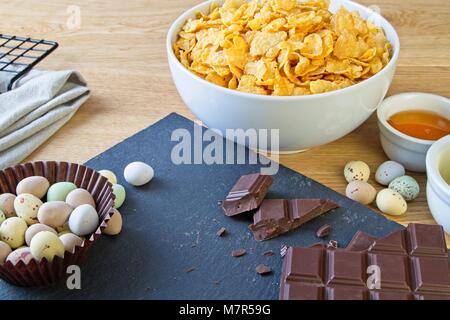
[(407, 186)]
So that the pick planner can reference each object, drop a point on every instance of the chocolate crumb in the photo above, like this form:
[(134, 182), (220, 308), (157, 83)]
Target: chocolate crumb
[(283, 251), (332, 244), (190, 269), (268, 253), (263, 269), (238, 253), (323, 231), (221, 232)]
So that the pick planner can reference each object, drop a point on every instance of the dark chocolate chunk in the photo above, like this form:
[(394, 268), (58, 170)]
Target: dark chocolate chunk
[(413, 264), (190, 269), (247, 194), (323, 231), (361, 241), (238, 253), (221, 232), (268, 253), (262, 269), (278, 216)]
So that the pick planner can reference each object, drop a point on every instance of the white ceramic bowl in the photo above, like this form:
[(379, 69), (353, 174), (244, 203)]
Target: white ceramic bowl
[(303, 121), (438, 190), (408, 151)]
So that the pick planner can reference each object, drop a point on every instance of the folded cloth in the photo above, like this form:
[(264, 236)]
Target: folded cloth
[(39, 105)]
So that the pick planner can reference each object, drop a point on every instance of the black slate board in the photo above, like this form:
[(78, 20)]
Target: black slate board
[(170, 226)]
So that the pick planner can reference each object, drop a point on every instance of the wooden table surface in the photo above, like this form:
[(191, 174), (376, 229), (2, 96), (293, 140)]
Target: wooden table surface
[(119, 48)]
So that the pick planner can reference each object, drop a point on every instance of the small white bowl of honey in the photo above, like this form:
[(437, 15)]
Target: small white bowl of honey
[(410, 123)]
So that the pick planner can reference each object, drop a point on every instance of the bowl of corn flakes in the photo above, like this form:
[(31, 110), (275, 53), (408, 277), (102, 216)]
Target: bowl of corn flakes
[(313, 69)]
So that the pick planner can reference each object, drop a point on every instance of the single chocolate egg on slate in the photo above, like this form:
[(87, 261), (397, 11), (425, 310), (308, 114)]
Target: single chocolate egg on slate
[(47, 245), (78, 197), (34, 229), (120, 193), (138, 173), (12, 231), (20, 254), (27, 207), (109, 175), (54, 213), (5, 250), (391, 202), (35, 185), (2, 216), (7, 204), (388, 171), (361, 192), (59, 191), (83, 220), (70, 241), (114, 225), (356, 170), (407, 186)]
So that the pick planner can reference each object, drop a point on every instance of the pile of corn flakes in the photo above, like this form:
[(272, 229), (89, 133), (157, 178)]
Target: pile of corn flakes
[(281, 47)]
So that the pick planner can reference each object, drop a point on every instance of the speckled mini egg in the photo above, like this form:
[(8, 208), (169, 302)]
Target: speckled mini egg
[(7, 204), (47, 245), (109, 175), (356, 170), (391, 202), (114, 225), (83, 220), (70, 241), (35, 185), (78, 197), (59, 191), (388, 171), (64, 229), (54, 213), (20, 254), (407, 186), (361, 192), (12, 231), (138, 173), (35, 229), (119, 192), (5, 250), (27, 207), (2, 216)]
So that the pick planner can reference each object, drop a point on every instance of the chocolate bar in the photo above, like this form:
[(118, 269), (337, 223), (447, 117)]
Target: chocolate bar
[(413, 264), (247, 194), (361, 241), (278, 216)]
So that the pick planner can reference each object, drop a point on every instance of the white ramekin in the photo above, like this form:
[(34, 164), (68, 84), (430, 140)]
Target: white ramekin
[(407, 150), (438, 190), (303, 121)]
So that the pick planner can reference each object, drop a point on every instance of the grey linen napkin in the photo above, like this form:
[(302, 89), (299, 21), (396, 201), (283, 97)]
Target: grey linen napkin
[(38, 106)]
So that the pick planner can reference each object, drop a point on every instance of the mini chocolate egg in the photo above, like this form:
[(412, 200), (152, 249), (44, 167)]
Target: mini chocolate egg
[(356, 170), (27, 207), (83, 220), (109, 175), (7, 204), (64, 229), (12, 231), (2, 216), (78, 197), (20, 254), (391, 202), (361, 192), (114, 225), (407, 186), (35, 185), (388, 171), (46, 244), (54, 213), (119, 192), (138, 173), (59, 191), (5, 250), (34, 229), (70, 241)]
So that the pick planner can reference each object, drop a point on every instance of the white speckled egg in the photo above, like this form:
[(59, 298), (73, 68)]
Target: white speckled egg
[(46, 244), (78, 197), (70, 241), (34, 229), (12, 231), (138, 173), (35, 185), (2, 216), (27, 207), (388, 171), (5, 250), (109, 175), (391, 202), (7, 204), (83, 220), (407, 186), (361, 192), (356, 170), (20, 254), (114, 225)]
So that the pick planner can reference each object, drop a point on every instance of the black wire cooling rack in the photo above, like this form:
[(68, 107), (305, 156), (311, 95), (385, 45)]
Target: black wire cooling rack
[(18, 55)]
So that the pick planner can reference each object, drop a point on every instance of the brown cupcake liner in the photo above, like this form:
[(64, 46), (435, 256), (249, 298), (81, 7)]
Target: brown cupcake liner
[(44, 272)]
